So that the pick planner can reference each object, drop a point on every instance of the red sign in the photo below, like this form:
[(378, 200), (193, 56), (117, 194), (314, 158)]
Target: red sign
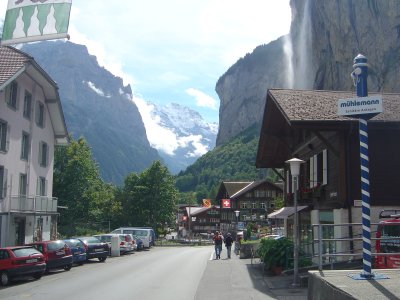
[(226, 203)]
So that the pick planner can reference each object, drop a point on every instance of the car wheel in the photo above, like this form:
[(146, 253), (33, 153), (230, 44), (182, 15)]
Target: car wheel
[(67, 267), (4, 278), (102, 259), (37, 275)]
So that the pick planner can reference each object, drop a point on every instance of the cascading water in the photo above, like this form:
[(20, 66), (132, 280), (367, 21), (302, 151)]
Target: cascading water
[(298, 53)]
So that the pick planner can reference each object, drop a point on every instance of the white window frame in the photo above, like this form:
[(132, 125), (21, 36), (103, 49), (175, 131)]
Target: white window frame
[(25, 145), (41, 187), (43, 154), (27, 105), (23, 184), (40, 114), (4, 136), (3, 182), (11, 94)]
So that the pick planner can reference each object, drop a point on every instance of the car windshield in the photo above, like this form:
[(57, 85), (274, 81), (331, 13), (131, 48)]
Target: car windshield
[(20, 252), (74, 243), (55, 245), (104, 238), (90, 239), (136, 232)]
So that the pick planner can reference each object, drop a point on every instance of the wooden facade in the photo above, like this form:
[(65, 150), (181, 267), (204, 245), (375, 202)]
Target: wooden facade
[(254, 200), (305, 124)]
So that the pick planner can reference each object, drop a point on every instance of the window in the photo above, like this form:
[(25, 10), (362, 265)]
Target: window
[(243, 205), (263, 205), (43, 154), (318, 171), (27, 105), (25, 146), (3, 182), (40, 114), (4, 136), (11, 95), (41, 186), (22, 184), (253, 205)]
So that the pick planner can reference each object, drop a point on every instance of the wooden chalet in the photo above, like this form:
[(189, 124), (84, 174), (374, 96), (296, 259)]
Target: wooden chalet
[(305, 124), (254, 200)]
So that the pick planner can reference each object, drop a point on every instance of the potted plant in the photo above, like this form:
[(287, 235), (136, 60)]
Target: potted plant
[(273, 252)]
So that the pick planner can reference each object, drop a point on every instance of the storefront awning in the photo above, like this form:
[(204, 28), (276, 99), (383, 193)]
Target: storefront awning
[(284, 212)]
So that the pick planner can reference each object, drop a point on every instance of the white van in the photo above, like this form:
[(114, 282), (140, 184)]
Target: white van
[(147, 235)]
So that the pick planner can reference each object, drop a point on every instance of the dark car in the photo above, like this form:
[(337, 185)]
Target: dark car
[(78, 250), (20, 261), (95, 248), (139, 243), (56, 253)]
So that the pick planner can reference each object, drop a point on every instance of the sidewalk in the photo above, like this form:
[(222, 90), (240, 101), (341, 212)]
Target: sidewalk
[(228, 279)]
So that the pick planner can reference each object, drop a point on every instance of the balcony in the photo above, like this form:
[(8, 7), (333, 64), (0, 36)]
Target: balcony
[(24, 204)]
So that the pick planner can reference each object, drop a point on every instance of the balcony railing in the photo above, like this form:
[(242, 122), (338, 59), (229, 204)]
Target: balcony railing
[(24, 204)]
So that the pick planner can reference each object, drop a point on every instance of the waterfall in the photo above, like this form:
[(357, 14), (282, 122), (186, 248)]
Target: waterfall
[(298, 51)]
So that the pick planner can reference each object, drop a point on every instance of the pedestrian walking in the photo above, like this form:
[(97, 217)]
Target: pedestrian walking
[(218, 244), (228, 244)]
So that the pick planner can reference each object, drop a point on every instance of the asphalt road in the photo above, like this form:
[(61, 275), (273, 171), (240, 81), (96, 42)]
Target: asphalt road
[(159, 273)]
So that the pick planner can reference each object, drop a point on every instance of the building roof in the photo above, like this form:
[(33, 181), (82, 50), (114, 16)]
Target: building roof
[(288, 110), (251, 187), (234, 187), (202, 210), (300, 105), (13, 63)]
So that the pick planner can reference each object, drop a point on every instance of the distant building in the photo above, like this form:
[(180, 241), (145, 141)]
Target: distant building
[(253, 200), (31, 124)]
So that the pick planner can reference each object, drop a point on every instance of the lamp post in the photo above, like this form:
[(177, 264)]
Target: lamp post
[(295, 171), (237, 212)]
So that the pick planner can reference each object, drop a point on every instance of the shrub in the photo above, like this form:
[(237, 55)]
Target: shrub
[(274, 252)]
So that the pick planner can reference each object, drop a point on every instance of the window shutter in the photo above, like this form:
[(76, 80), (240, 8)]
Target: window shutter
[(5, 183), (315, 175), (38, 186), (37, 112), (40, 153), (8, 138), (47, 154), (325, 167), (311, 175), (45, 187), (17, 93)]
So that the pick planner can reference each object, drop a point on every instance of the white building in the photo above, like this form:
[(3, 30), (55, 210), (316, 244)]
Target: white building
[(31, 124)]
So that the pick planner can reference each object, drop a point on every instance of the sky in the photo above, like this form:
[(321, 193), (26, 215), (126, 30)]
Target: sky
[(176, 50)]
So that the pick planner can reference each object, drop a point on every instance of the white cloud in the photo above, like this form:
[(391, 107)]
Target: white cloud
[(202, 99)]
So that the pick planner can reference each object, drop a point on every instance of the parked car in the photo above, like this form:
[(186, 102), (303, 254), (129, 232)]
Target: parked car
[(139, 243), (78, 250), (57, 254), (147, 235), (95, 248), (20, 261), (125, 241)]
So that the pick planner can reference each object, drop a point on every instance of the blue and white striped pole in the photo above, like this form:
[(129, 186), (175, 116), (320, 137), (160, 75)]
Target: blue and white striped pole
[(360, 73)]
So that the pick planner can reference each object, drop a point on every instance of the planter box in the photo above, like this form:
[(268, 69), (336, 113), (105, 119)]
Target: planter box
[(247, 250)]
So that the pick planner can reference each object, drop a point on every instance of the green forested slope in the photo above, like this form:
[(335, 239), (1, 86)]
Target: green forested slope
[(232, 161)]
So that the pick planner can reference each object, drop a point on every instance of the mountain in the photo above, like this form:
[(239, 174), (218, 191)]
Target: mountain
[(192, 135), (98, 107), (325, 37)]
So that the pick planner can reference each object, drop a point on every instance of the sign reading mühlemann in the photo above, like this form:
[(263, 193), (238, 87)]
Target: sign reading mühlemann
[(35, 20), (360, 106)]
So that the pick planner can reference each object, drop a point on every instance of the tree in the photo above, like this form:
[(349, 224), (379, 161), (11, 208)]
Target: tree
[(149, 199), (88, 200)]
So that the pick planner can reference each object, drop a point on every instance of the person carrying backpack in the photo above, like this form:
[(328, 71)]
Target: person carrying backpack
[(228, 244), (218, 244)]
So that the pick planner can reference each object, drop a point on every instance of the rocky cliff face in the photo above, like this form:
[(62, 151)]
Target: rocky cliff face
[(98, 107), (325, 36)]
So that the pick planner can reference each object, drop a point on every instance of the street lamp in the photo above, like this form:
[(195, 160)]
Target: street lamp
[(237, 212), (295, 171)]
